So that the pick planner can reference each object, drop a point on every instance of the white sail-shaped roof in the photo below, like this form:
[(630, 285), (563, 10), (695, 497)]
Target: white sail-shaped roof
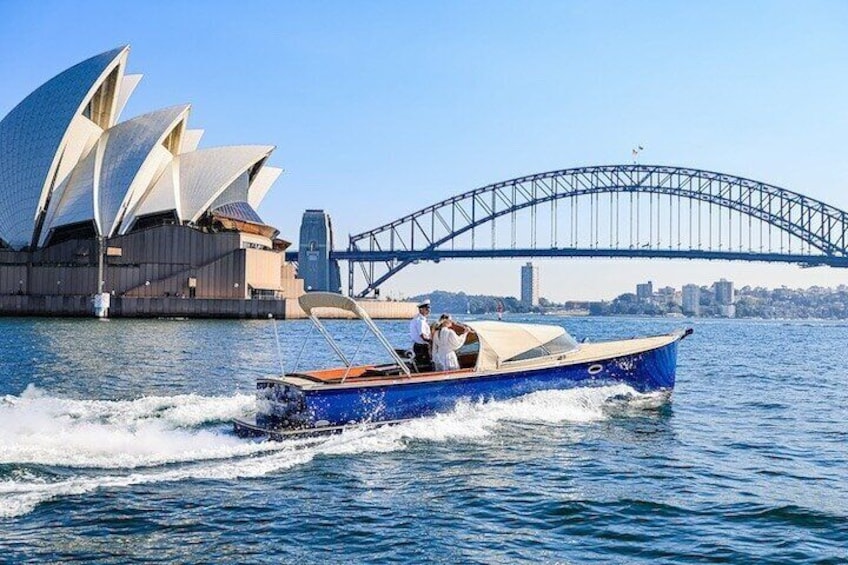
[(73, 200), (191, 139), (64, 162), (133, 159), (206, 173), (245, 189), (34, 134), (163, 196), (129, 159), (261, 184), (128, 86), (236, 192)]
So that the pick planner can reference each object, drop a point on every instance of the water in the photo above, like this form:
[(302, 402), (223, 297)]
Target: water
[(115, 447)]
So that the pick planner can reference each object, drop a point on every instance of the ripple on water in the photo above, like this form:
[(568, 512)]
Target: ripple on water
[(129, 457)]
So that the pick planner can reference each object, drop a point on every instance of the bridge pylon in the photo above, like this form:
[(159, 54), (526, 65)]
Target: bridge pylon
[(319, 271)]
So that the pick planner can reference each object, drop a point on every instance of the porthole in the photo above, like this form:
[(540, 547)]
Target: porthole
[(595, 369)]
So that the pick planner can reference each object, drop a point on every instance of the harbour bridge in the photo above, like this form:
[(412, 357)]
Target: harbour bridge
[(629, 211)]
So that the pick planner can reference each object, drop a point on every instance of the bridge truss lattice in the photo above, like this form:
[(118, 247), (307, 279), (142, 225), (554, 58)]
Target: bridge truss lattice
[(609, 211)]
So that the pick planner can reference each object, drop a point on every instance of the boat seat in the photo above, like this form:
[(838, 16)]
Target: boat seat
[(408, 357)]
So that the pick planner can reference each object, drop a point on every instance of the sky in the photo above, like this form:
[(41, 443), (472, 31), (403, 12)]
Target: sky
[(378, 109)]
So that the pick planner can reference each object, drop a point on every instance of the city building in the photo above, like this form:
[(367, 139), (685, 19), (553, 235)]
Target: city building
[(691, 300), (724, 297), (669, 295), (645, 291), (133, 208), (530, 285)]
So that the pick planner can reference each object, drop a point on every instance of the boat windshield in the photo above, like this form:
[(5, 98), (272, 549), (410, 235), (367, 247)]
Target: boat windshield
[(557, 346)]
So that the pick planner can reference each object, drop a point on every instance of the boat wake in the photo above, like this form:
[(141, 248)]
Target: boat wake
[(53, 447)]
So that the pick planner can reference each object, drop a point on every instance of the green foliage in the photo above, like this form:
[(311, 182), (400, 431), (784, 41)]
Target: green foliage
[(459, 303)]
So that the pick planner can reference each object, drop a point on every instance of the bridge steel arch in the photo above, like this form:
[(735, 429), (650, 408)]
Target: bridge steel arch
[(424, 234)]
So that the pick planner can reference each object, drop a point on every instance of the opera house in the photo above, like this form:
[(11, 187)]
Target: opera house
[(91, 203)]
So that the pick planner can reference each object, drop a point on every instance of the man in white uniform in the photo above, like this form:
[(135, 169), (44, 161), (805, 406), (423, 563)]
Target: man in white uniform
[(419, 332)]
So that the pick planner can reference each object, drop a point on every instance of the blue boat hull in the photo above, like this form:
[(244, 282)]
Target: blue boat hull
[(284, 406)]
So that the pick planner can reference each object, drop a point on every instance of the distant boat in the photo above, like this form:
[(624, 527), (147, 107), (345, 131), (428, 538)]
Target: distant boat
[(499, 361)]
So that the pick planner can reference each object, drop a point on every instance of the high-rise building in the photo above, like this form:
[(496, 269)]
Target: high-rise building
[(530, 285), (692, 299), (645, 291), (668, 295), (724, 298), (724, 292)]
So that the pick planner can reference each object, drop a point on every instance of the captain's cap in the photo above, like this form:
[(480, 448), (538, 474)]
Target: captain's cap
[(425, 304)]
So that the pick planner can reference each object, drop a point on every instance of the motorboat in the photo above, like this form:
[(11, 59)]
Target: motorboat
[(499, 361)]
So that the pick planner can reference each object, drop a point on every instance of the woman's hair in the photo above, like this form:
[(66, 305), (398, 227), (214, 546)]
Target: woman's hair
[(444, 320)]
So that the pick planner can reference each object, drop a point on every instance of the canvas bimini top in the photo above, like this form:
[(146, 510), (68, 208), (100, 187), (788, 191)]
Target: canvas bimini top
[(503, 342), (312, 300)]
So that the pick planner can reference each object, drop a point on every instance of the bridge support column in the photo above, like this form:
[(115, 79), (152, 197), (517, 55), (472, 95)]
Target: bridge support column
[(350, 277), (318, 271)]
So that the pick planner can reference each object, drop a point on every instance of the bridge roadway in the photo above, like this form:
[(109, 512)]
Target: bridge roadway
[(437, 255)]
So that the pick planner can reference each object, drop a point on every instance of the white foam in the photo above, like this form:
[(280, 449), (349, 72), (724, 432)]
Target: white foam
[(43, 430), (116, 444)]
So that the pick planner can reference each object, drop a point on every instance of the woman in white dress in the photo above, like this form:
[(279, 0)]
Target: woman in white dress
[(449, 337)]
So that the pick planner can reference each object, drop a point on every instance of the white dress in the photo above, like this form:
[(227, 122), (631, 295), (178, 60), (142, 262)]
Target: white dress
[(445, 344)]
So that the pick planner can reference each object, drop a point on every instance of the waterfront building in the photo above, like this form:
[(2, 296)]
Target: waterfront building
[(669, 295), (645, 291), (724, 297), (134, 208), (692, 299), (530, 285)]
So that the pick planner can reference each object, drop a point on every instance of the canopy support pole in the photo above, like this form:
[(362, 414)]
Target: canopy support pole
[(329, 339), (384, 342)]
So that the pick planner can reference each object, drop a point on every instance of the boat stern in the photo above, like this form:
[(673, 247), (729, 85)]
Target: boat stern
[(280, 404)]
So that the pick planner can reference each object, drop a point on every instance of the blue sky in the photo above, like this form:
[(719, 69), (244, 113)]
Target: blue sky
[(381, 108)]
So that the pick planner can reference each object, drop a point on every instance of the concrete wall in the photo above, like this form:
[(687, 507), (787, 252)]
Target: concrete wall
[(155, 262), (126, 307), (264, 269), (291, 287), (13, 279), (170, 306)]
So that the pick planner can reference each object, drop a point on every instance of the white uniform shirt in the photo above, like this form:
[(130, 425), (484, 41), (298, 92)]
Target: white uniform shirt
[(418, 326)]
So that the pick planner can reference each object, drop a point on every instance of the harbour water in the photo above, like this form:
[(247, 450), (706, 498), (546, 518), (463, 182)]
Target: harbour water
[(116, 447)]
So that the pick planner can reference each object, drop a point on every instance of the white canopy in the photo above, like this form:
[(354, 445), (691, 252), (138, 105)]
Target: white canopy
[(500, 341), (312, 300)]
